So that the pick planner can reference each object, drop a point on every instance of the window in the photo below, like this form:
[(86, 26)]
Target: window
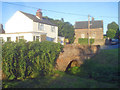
[(8, 38), (52, 28), (21, 37), (82, 35), (40, 27), (37, 38)]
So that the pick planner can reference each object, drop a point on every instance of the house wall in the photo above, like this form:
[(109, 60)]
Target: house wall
[(93, 33), (27, 36), (13, 36), (19, 23), (47, 29), (50, 33)]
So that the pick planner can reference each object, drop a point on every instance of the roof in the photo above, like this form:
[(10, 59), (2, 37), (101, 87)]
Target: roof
[(84, 24), (35, 19)]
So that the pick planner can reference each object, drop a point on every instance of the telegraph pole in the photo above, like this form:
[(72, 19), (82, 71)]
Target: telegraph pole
[(88, 28)]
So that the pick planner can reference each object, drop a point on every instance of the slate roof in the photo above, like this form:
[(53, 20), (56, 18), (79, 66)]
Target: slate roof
[(35, 19), (84, 24)]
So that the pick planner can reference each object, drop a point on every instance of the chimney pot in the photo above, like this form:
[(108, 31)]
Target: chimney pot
[(39, 13)]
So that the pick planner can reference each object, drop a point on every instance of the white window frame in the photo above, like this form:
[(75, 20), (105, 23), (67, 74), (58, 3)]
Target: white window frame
[(40, 27), (52, 28), (82, 35), (9, 38), (93, 35), (21, 37)]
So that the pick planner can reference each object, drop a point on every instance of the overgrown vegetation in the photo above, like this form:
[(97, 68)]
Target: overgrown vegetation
[(29, 59), (102, 67), (60, 80), (101, 71), (113, 30), (84, 41)]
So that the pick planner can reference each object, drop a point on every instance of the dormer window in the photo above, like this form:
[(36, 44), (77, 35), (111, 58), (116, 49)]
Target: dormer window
[(40, 27)]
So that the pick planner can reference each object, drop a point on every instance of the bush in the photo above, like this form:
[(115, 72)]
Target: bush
[(74, 70), (22, 60), (84, 41)]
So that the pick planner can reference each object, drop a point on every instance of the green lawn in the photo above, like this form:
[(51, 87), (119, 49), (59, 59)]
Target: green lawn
[(98, 72), (62, 81)]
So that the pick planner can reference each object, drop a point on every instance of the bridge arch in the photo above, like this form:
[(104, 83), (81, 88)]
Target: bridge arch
[(72, 63)]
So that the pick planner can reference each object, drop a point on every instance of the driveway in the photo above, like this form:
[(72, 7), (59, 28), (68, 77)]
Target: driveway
[(110, 46)]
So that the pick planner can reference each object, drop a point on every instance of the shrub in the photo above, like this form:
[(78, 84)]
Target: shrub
[(74, 70), (84, 41), (29, 59)]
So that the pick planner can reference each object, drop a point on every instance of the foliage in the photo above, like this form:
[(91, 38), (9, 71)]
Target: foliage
[(117, 35), (111, 33), (65, 29), (103, 67), (29, 59), (92, 41), (74, 70), (113, 26), (62, 80), (84, 41), (113, 30)]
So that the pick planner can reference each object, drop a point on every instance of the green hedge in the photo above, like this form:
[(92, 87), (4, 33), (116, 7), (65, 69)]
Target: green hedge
[(84, 41), (29, 59)]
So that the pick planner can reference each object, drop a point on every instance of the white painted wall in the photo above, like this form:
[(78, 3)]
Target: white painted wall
[(19, 23), (47, 29), (27, 36)]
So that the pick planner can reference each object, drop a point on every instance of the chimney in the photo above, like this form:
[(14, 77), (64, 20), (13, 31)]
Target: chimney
[(39, 13)]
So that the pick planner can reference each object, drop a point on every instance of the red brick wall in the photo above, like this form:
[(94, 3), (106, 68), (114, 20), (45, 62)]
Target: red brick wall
[(97, 33)]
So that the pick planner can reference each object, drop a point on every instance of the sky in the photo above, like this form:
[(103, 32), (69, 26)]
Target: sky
[(69, 11)]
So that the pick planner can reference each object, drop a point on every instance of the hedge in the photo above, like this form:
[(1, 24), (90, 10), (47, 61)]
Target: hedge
[(29, 59), (84, 41)]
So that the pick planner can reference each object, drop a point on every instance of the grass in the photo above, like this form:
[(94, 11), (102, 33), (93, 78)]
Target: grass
[(97, 72), (62, 81)]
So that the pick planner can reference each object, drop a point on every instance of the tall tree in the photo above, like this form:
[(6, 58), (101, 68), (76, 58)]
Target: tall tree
[(113, 26), (111, 33), (113, 29)]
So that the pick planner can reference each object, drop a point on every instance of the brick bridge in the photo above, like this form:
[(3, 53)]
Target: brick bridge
[(74, 55)]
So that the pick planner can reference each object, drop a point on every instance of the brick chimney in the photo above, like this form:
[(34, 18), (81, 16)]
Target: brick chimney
[(39, 13)]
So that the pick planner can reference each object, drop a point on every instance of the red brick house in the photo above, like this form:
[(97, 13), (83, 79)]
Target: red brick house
[(95, 31)]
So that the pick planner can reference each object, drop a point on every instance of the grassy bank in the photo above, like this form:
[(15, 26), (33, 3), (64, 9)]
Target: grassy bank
[(101, 71), (60, 80)]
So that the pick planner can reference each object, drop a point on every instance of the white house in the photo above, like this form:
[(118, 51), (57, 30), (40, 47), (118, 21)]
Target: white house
[(30, 27)]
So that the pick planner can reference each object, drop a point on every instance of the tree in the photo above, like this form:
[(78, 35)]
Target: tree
[(113, 29), (111, 33), (65, 29), (113, 26)]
